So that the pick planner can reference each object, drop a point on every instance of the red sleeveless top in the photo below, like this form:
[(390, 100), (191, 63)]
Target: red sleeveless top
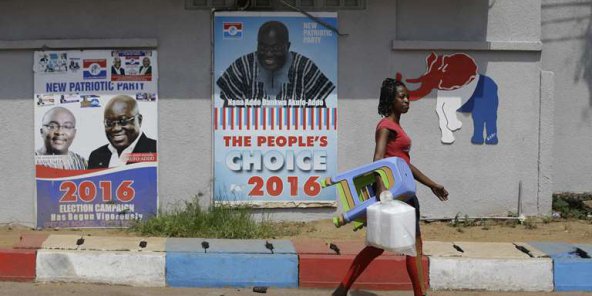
[(400, 145)]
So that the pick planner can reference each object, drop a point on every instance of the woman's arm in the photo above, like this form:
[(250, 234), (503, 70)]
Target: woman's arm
[(437, 189)]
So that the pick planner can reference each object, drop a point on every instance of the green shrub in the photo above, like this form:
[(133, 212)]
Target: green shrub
[(218, 221), (571, 205)]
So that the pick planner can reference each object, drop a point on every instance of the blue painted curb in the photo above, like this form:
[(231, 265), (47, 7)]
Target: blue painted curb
[(200, 262), (572, 265), (231, 270)]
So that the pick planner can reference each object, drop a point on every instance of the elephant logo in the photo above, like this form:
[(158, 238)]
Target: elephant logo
[(460, 88)]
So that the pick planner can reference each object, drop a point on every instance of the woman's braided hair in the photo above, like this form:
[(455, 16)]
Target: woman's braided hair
[(388, 91)]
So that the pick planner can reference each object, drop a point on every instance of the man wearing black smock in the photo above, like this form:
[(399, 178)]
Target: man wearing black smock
[(273, 72)]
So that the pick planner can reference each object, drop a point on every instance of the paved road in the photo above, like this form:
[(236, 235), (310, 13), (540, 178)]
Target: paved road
[(25, 289)]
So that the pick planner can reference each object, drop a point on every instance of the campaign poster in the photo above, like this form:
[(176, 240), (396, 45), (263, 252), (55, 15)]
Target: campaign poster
[(96, 133), (274, 108)]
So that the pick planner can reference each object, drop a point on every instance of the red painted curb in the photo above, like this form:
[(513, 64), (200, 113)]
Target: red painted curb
[(17, 265), (384, 273), (323, 267)]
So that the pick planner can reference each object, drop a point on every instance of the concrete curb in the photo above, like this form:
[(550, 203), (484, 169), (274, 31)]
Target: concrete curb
[(572, 265), (198, 262), (488, 266), (323, 265), (146, 269), (491, 274), (158, 262), (17, 265)]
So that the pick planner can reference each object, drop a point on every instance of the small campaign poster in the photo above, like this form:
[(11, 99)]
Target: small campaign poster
[(274, 108), (96, 133)]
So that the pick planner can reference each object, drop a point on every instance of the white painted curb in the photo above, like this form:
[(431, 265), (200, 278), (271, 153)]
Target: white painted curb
[(145, 269), (533, 274)]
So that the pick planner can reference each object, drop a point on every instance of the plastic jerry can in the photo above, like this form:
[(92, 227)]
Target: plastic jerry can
[(391, 225)]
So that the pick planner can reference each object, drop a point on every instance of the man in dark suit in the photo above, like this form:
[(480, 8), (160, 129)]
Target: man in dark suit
[(146, 68), (122, 120), (116, 69)]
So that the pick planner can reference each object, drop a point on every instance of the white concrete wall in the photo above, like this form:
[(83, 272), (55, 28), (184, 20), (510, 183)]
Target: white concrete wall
[(567, 51), (482, 180)]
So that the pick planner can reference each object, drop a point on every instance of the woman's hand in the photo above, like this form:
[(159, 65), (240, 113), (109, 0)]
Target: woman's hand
[(437, 189), (440, 192)]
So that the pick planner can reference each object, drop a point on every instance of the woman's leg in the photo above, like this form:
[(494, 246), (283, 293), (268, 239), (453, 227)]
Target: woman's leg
[(360, 263), (415, 268), (414, 264)]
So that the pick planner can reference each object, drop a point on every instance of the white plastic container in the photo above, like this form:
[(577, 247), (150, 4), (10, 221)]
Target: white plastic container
[(391, 225)]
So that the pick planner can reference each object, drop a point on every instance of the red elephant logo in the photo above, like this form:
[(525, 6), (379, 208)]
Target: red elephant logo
[(459, 88)]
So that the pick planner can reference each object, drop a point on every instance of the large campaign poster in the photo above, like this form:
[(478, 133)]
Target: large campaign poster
[(275, 108), (95, 137)]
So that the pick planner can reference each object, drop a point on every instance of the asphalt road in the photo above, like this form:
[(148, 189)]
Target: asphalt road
[(25, 289)]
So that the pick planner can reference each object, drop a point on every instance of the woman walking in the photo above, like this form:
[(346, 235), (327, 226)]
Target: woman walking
[(391, 140)]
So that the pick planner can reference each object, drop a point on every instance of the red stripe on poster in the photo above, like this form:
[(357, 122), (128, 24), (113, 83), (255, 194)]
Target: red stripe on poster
[(312, 118), (327, 118), (281, 110), (248, 118), (256, 117), (304, 118), (231, 118), (240, 118), (272, 114), (296, 110), (223, 118), (263, 113)]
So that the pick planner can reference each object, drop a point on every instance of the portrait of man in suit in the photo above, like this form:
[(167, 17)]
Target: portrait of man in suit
[(122, 122), (58, 130), (116, 69), (146, 68)]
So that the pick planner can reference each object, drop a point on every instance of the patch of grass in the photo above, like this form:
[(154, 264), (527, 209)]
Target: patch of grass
[(458, 222), (469, 222), (512, 223), (218, 221), (455, 222), (529, 223), (486, 225)]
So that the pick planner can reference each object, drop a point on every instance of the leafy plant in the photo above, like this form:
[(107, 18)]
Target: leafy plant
[(571, 205)]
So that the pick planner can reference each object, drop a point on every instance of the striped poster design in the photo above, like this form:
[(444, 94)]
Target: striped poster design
[(275, 118)]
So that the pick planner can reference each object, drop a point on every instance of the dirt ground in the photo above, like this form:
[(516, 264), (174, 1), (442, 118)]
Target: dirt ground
[(573, 231), (19, 289)]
